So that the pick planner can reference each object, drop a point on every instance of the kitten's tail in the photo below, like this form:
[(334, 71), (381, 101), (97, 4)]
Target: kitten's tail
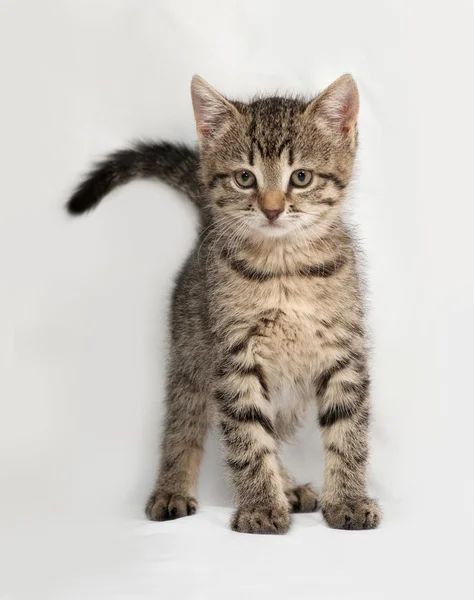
[(175, 164)]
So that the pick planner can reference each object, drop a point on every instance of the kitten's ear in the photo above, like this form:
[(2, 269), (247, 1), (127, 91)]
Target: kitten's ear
[(338, 105), (211, 110)]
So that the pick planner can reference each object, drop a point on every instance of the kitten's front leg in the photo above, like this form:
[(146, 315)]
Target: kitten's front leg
[(246, 425), (343, 403)]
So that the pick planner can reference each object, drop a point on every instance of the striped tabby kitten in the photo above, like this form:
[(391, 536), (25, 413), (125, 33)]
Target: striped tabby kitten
[(267, 315)]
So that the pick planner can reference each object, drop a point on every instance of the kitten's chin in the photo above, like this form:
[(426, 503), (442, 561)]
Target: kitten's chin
[(275, 230)]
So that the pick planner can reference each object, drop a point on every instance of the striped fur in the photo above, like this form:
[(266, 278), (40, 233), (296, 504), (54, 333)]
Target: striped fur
[(265, 319), (176, 163)]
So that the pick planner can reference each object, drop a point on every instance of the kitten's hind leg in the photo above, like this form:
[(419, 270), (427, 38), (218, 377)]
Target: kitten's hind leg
[(186, 426), (302, 498)]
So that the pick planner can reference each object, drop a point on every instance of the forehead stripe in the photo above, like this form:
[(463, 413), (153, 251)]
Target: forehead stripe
[(251, 156)]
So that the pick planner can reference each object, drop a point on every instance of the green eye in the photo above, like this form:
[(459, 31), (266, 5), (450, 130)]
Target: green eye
[(301, 178), (244, 178)]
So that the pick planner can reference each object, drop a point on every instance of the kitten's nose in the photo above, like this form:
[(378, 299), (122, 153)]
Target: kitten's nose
[(272, 213)]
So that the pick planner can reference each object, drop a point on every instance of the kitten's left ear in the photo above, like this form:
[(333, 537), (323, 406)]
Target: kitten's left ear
[(211, 110), (338, 105)]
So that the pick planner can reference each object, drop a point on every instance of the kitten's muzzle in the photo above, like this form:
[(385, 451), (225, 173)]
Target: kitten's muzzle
[(272, 204)]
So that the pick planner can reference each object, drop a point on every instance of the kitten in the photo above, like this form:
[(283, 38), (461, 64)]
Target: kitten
[(267, 315)]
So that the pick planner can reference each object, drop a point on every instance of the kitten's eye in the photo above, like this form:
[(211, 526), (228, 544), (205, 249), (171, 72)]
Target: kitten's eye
[(245, 179), (301, 178)]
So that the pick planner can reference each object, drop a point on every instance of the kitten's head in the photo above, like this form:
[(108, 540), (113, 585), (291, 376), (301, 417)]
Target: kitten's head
[(276, 167)]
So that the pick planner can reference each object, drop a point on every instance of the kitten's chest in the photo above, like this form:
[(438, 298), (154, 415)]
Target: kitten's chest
[(290, 330), (288, 316)]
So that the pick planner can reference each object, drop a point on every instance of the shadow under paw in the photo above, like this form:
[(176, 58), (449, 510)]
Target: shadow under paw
[(303, 499), (163, 506), (355, 514), (261, 520)]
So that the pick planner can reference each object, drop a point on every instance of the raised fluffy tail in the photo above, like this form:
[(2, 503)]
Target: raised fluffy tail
[(175, 164)]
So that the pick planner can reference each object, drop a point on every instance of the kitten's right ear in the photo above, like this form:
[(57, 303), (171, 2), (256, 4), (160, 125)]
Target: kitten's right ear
[(211, 110)]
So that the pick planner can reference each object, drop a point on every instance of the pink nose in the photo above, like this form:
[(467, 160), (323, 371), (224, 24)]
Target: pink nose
[(272, 213)]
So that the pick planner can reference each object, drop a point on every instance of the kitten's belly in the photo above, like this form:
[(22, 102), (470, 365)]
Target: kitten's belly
[(290, 400), (290, 352)]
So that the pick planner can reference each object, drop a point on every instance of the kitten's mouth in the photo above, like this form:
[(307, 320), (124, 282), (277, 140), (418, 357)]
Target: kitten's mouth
[(275, 228), (273, 225)]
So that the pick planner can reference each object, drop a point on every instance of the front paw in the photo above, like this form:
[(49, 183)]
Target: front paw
[(164, 506), (356, 514), (261, 520)]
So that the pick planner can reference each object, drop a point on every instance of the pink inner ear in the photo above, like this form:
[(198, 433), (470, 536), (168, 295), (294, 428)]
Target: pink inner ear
[(202, 113), (339, 104), (211, 110), (210, 116), (343, 115), (348, 117), (204, 130)]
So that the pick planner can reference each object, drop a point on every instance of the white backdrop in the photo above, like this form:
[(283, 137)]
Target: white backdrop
[(83, 302)]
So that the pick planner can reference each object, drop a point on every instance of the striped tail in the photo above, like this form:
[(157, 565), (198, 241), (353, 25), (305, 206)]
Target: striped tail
[(175, 164)]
